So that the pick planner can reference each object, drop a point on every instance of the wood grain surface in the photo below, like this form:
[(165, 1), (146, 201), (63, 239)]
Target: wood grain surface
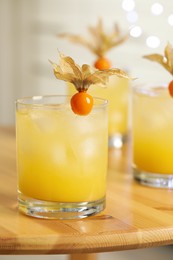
[(135, 216)]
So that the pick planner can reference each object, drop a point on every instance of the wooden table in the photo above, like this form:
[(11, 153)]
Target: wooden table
[(135, 216)]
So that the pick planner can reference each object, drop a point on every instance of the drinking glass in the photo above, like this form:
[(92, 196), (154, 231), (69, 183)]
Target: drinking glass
[(61, 158), (152, 135)]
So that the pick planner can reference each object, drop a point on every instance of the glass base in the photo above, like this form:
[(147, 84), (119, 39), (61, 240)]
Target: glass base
[(117, 140), (153, 179), (59, 210)]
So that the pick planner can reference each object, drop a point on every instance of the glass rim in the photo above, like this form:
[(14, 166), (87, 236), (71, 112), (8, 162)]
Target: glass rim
[(154, 89), (148, 85), (37, 98)]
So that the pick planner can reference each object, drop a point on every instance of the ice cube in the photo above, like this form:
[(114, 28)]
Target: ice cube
[(87, 125), (89, 147), (59, 154), (44, 120), (83, 125)]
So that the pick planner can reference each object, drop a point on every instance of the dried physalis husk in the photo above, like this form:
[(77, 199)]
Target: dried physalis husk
[(82, 77), (100, 41), (166, 61)]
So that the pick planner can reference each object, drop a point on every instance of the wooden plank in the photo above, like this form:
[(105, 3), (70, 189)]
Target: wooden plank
[(83, 257)]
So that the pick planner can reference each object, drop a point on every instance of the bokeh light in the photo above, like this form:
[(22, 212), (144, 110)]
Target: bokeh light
[(153, 41), (132, 17), (170, 19), (157, 9), (136, 31), (128, 5)]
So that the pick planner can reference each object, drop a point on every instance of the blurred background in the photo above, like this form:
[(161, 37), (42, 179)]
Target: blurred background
[(28, 38)]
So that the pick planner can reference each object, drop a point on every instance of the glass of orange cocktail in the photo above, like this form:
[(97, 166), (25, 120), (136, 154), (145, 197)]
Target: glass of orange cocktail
[(152, 138), (61, 158)]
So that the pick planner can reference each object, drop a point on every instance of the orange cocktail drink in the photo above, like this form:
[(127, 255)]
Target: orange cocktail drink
[(152, 138), (62, 157)]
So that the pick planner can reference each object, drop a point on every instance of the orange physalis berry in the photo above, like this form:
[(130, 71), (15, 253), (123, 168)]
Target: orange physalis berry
[(170, 88), (81, 103), (102, 64)]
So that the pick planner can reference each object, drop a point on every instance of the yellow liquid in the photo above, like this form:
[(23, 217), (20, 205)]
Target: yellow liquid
[(61, 156), (153, 132), (116, 92)]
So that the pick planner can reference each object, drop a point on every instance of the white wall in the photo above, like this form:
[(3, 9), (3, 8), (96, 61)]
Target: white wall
[(28, 39)]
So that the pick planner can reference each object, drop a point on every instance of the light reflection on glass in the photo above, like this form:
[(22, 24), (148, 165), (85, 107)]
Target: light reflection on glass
[(153, 41)]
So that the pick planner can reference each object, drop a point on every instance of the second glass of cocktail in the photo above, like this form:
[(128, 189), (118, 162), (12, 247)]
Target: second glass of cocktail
[(152, 127), (152, 139), (99, 41)]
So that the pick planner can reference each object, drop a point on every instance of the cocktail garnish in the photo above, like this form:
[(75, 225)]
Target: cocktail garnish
[(166, 61), (99, 42), (82, 77)]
